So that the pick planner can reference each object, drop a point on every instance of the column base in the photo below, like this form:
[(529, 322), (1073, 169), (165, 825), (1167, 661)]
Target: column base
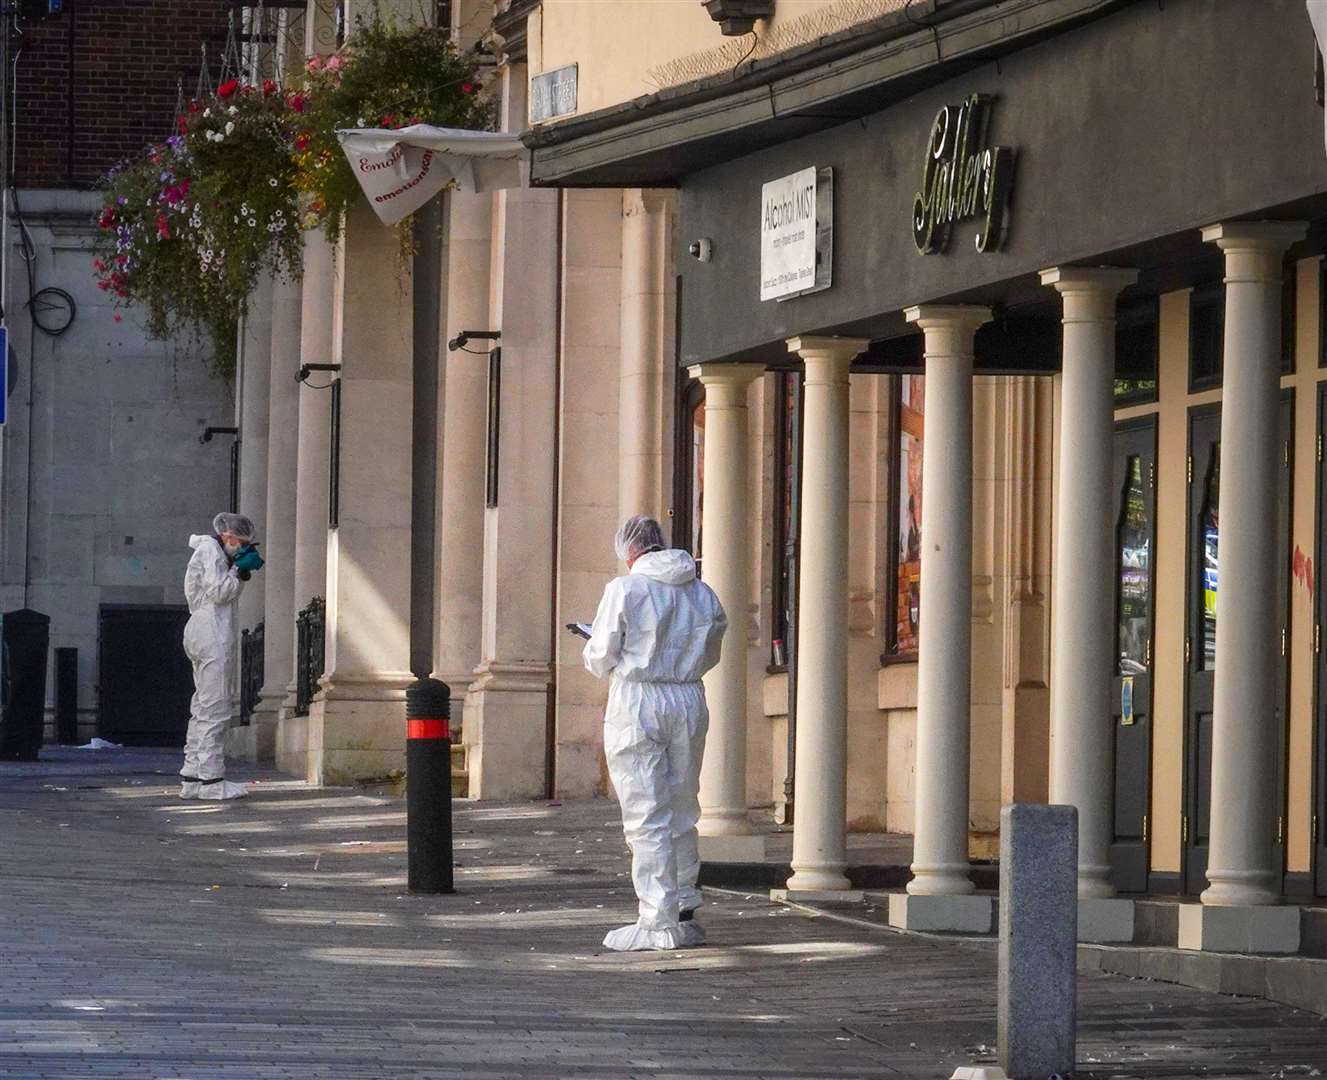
[(264, 721), (818, 896), (241, 743), (730, 848), (1105, 920), (970, 914), (979, 1072), (504, 728), (1267, 928), (356, 729), (292, 741)]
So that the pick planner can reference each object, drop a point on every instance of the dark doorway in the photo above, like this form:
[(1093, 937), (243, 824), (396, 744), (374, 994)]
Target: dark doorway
[(1200, 633), (145, 680), (1134, 490)]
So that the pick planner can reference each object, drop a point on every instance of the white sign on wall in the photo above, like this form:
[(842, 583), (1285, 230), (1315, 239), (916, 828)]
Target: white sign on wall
[(796, 234)]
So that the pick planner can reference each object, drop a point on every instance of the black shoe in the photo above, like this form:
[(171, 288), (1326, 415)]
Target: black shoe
[(686, 916)]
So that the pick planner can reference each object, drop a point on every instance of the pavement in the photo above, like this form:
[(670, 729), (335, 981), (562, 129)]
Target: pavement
[(145, 937)]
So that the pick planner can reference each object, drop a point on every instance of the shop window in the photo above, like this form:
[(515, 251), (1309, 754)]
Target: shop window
[(906, 517), (787, 502), (1134, 560), (689, 490), (1209, 528), (1206, 336), (1137, 347)]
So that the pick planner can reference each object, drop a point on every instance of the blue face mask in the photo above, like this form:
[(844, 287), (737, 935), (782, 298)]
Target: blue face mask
[(248, 559)]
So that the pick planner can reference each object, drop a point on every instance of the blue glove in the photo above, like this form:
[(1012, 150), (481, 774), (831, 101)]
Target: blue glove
[(247, 559)]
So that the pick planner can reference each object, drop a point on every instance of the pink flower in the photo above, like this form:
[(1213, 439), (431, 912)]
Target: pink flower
[(117, 317), (335, 62), (228, 88), (315, 63), (297, 103), (468, 88)]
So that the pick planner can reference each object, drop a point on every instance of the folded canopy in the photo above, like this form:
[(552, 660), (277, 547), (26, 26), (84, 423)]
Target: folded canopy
[(401, 169)]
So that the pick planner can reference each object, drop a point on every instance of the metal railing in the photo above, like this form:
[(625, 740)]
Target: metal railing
[(251, 671), (309, 656)]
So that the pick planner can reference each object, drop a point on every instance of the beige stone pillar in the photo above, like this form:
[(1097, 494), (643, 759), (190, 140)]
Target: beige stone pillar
[(279, 535), (357, 720), (939, 894), (646, 349), (1083, 615), (725, 829), (819, 829), (506, 709), (462, 447), (1238, 910), (254, 377), (312, 467)]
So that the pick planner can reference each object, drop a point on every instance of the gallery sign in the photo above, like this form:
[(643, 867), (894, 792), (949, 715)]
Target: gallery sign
[(796, 234), (963, 178)]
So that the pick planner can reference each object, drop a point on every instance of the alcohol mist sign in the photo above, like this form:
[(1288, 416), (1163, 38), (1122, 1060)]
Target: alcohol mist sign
[(796, 218)]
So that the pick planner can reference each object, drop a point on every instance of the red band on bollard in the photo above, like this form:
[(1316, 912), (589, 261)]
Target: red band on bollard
[(427, 729)]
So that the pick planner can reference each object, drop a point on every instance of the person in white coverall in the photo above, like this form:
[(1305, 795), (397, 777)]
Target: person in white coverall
[(212, 585), (657, 631)]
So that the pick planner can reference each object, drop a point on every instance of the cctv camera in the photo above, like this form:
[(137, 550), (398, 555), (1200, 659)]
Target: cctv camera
[(702, 249)]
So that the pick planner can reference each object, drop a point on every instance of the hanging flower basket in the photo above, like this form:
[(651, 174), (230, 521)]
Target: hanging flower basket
[(188, 230), (386, 77)]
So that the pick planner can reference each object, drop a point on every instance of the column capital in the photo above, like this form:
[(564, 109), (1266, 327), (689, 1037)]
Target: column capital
[(1266, 236), (647, 200), (1109, 280), (827, 346), (948, 316), (726, 374)]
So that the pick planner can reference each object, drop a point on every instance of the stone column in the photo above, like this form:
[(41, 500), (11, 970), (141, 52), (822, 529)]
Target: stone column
[(312, 466), (1238, 912), (357, 719), (819, 829), (255, 368), (646, 350), (279, 536), (506, 708), (460, 587), (939, 894), (725, 829), (1083, 608)]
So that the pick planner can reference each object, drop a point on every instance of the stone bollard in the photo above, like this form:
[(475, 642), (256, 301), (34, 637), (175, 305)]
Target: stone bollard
[(1038, 981)]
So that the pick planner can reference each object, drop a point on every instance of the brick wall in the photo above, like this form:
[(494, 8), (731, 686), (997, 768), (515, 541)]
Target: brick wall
[(98, 83)]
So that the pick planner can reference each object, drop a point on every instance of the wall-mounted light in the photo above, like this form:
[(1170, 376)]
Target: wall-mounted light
[(461, 340), (737, 17)]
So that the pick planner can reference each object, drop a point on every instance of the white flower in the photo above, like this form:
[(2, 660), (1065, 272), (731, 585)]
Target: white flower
[(207, 112), (272, 180), (230, 126), (220, 137), (233, 111), (253, 222), (360, 122)]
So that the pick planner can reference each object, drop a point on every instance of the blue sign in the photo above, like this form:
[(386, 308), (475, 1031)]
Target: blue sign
[(4, 374)]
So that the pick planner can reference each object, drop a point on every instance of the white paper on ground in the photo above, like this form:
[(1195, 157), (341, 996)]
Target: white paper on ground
[(401, 169), (101, 744)]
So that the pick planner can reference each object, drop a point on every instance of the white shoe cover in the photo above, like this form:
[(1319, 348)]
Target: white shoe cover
[(188, 789), (222, 791), (635, 938)]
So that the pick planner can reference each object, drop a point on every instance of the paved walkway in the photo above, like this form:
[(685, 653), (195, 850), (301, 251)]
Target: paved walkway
[(144, 937)]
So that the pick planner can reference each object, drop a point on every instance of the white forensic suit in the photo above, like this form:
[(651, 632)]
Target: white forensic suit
[(211, 586), (657, 631)]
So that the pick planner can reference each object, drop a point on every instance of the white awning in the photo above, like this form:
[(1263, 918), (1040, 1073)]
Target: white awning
[(401, 169), (1318, 16)]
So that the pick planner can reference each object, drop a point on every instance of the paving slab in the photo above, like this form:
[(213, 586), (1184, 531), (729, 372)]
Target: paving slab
[(145, 937)]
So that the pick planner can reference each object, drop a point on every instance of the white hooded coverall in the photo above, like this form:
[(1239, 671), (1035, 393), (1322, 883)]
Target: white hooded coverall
[(211, 587), (657, 631)]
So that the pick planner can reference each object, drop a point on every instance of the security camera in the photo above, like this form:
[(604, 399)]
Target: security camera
[(702, 249)]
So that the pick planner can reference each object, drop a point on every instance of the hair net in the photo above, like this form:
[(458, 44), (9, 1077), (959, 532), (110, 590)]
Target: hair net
[(235, 524), (638, 535)]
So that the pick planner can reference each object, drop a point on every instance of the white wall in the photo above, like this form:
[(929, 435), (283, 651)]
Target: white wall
[(118, 479)]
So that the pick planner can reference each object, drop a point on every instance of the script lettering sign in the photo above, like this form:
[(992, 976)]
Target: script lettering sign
[(963, 178)]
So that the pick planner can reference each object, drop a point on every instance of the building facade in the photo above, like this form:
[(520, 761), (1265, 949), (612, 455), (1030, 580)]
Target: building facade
[(102, 469)]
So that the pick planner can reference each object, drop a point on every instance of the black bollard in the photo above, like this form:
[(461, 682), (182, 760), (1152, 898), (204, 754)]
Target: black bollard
[(428, 798)]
